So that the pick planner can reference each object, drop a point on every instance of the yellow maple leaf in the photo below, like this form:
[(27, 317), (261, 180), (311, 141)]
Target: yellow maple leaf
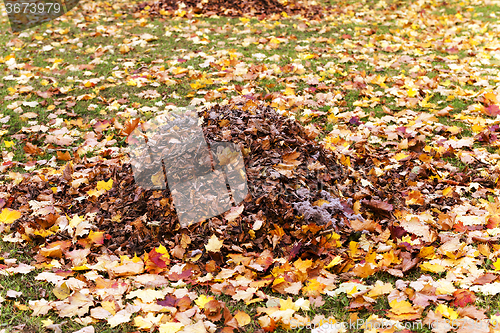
[(75, 220), (179, 70), (313, 288), (447, 191), (454, 130), (445, 288), (303, 265), (106, 186), (43, 233), (197, 85), (477, 128), (124, 49), (427, 252), (8, 215), (47, 322), (320, 202), (495, 319), (146, 295), (242, 318), (95, 193), (170, 327), (425, 102), (287, 304), (447, 311), (62, 292), (364, 270), (491, 97), (80, 268), (400, 307), (142, 323), (412, 92), (136, 259), (21, 306), (148, 321), (387, 258), (371, 257), (332, 118), (353, 249), (434, 268), (352, 291), (380, 289), (278, 281), (289, 92), (345, 160), (497, 265), (109, 306), (202, 300), (401, 155), (335, 261), (214, 244), (96, 237)]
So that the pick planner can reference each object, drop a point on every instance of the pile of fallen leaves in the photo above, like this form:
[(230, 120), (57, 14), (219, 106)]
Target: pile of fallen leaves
[(281, 160), (260, 8)]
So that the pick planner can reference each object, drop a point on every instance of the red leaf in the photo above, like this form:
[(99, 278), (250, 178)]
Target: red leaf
[(459, 227), (493, 222), (157, 258), (463, 297), (492, 110)]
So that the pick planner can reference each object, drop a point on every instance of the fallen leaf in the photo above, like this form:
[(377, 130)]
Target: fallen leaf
[(214, 244)]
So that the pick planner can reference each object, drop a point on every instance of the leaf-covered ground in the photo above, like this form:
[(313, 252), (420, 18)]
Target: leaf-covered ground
[(401, 98)]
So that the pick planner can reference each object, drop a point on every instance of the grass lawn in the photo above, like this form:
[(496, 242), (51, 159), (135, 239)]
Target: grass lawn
[(397, 90)]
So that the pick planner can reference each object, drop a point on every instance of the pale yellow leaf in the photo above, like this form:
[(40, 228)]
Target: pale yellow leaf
[(242, 318), (214, 244), (170, 327)]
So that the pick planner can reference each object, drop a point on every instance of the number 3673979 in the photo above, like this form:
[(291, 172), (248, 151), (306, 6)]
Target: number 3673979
[(33, 8)]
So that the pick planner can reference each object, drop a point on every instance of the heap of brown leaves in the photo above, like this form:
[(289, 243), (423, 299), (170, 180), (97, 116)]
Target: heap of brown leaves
[(280, 157), (261, 8)]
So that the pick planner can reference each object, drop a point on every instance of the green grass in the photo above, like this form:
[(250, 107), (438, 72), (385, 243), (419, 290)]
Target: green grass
[(231, 32)]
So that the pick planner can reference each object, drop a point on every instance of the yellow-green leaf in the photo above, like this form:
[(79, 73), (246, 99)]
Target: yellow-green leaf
[(8, 216)]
